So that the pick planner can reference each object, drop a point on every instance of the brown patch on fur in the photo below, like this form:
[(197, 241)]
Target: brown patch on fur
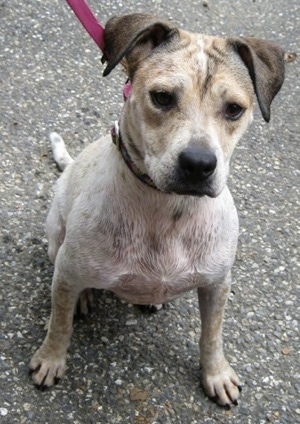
[(131, 38), (178, 213), (265, 63)]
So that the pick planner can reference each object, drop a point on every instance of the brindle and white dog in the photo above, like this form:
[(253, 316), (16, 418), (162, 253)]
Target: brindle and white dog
[(154, 218)]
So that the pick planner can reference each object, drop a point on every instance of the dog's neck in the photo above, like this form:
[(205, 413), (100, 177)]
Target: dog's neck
[(117, 140)]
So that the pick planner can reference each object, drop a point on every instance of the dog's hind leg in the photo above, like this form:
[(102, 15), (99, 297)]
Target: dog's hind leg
[(85, 303), (151, 309), (55, 225), (55, 228)]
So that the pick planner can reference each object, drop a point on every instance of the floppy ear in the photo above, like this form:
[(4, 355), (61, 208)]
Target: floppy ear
[(133, 37), (265, 63)]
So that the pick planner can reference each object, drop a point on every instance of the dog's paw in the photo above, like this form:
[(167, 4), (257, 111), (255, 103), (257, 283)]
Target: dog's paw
[(221, 384), (46, 369), (151, 309), (85, 303)]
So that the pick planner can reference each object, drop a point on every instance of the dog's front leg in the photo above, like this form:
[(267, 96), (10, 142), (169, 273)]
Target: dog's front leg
[(49, 362), (219, 380)]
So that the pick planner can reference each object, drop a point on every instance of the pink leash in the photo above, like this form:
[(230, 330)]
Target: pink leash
[(89, 21), (94, 29)]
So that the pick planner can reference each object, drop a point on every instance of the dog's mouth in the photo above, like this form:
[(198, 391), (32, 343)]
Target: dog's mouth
[(195, 174), (197, 191)]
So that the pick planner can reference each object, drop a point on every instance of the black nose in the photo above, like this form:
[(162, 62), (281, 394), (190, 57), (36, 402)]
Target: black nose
[(197, 164)]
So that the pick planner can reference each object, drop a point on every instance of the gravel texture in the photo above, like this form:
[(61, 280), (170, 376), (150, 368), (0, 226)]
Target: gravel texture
[(126, 366)]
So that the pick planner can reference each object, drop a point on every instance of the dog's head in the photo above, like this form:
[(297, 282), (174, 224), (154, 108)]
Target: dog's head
[(191, 100)]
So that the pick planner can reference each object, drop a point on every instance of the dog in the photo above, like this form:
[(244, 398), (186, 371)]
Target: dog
[(150, 217)]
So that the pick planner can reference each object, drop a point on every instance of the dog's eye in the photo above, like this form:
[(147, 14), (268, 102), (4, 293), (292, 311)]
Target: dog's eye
[(233, 111), (162, 99)]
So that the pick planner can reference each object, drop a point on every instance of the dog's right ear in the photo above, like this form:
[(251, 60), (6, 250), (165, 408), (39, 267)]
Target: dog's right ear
[(265, 63), (131, 38)]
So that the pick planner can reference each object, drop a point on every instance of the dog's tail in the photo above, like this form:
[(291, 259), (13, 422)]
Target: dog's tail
[(60, 153)]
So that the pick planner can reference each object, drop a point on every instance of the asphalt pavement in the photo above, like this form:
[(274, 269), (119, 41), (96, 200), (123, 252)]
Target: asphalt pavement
[(126, 366)]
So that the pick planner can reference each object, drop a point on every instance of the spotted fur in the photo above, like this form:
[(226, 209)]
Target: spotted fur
[(108, 230)]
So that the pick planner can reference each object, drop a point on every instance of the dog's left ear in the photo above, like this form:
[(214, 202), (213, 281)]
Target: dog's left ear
[(131, 38), (265, 63)]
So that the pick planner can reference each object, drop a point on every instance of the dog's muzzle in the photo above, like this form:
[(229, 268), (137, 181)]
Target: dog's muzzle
[(194, 172)]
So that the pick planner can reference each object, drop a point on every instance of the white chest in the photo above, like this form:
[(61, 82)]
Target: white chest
[(154, 264)]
